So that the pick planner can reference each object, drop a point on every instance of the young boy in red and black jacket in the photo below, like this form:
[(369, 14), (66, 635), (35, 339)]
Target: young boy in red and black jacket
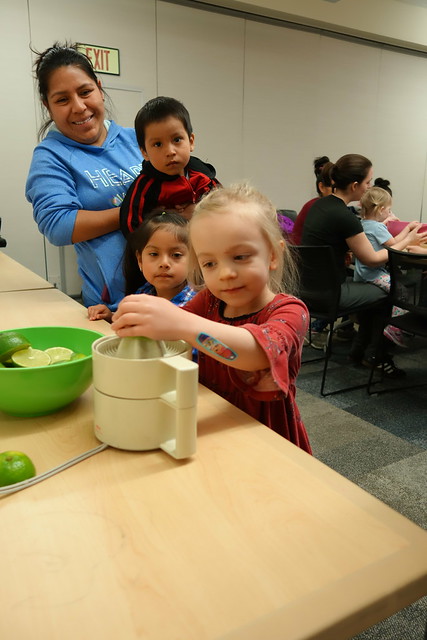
[(170, 176)]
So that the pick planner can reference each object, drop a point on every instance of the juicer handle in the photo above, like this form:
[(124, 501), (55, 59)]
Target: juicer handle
[(183, 403)]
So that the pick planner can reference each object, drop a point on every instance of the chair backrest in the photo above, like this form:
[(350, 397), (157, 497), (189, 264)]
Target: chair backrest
[(320, 282), (408, 280), (289, 213), (3, 242)]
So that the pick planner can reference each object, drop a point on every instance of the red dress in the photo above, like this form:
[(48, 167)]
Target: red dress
[(267, 395)]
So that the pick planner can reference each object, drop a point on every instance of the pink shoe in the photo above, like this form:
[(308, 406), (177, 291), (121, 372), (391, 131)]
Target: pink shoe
[(395, 335)]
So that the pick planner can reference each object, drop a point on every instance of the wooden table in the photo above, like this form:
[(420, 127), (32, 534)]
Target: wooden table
[(45, 307), (16, 277), (251, 539)]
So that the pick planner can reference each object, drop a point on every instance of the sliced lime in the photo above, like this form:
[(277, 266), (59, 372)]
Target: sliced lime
[(31, 358), (59, 354)]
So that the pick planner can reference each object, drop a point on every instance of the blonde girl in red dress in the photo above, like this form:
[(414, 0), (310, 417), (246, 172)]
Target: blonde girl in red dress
[(248, 331)]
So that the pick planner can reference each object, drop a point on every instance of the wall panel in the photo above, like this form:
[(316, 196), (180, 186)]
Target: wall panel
[(201, 62), (18, 137), (400, 136)]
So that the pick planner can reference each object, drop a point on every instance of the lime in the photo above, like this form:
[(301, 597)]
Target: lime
[(31, 358), (59, 354), (11, 341), (78, 356), (15, 466)]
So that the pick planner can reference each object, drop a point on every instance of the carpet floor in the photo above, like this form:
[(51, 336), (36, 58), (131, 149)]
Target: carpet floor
[(379, 442)]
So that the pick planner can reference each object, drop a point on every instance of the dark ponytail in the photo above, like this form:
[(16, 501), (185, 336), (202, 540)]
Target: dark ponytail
[(383, 184), (318, 164)]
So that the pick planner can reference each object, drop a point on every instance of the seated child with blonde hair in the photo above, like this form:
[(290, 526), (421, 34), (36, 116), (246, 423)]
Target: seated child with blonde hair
[(375, 209)]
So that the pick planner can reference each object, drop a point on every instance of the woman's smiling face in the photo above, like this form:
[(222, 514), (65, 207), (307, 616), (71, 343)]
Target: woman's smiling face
[(76, 105)]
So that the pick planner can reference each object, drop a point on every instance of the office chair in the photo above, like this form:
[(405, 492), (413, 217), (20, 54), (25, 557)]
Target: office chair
[(289, 213), (408, 290), (3, 242), (320, 290)]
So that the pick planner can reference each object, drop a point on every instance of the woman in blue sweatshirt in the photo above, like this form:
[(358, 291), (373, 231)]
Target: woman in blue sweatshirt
[(80, 172)]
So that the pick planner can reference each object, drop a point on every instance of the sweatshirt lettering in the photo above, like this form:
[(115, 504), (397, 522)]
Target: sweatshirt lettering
[(108, 178)]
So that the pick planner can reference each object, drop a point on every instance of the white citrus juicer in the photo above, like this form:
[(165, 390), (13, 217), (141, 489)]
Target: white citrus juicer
[(145, 394)]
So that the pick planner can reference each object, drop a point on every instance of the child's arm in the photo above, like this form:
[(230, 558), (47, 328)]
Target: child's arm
[(416, 249), (403, 234), (159, 319), (99, 312), (185, 210), (410, 236)]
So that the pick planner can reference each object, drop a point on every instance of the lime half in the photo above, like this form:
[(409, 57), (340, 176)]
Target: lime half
[(31, 358), (10, 342), (59, 354)]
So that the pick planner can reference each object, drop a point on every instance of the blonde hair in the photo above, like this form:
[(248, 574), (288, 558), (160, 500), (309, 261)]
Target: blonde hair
[(284, 277), (373, 200)]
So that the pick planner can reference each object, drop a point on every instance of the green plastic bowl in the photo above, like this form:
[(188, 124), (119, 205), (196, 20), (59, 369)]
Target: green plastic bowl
[(36, 391)]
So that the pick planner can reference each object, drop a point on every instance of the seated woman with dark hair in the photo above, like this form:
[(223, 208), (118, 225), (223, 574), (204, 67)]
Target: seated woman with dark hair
[(330, 222)]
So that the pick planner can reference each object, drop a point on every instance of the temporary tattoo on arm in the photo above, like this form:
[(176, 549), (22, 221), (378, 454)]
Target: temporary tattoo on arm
[(215, 346)]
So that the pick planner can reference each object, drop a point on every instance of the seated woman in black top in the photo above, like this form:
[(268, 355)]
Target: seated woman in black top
[(330, 222)]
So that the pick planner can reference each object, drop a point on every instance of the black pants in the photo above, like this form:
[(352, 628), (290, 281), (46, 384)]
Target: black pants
[(369, 341)]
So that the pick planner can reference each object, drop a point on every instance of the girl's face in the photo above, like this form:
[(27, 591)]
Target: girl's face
[(383, 213), (76, 105), (164, 263), (234, 257)]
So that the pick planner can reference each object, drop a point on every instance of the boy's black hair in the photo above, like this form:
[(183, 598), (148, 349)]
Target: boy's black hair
[(159, 109)]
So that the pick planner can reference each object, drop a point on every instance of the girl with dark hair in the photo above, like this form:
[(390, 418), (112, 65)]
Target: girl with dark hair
[(330, 222), (155, 261), (81, 170)]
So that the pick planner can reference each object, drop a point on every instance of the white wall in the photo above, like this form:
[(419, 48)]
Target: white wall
[(399, 22), (18, 136), (264, 100)]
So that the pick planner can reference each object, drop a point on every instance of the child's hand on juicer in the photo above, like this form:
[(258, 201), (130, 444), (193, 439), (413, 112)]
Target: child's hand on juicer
[(150, 316)]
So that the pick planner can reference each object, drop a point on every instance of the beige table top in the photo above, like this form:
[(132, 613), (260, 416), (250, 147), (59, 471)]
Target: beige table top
[(16, 277), (251, 539), (45, 307)]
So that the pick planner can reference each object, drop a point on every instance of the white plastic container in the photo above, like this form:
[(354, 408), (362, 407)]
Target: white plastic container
[(143, 403)]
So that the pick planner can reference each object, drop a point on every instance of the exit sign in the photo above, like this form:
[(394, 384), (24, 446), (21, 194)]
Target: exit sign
[(104, 59)]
